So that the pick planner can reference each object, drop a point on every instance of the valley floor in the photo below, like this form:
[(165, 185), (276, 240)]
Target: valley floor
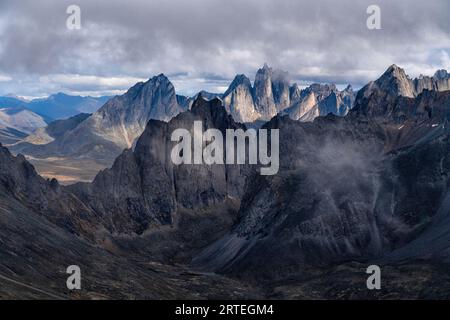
[(66, 170), (153, 280)]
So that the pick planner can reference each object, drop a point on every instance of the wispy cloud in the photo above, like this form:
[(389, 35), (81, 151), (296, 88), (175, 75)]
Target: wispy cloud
[(5, 78), (79, 82)]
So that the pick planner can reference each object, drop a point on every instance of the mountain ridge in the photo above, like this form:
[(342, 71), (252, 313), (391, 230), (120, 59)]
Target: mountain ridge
[(273, 93), (367, 188)]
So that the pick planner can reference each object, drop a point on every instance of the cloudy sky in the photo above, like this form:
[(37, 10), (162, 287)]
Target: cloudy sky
[(203, 44)]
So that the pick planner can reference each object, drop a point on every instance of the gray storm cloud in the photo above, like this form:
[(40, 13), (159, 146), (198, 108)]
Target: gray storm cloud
[(205, 40)]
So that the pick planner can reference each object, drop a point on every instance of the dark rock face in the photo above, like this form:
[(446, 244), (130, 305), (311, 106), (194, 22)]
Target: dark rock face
[(353, 188), (19, 182), (46, 227), (319, 208), (144, 187)]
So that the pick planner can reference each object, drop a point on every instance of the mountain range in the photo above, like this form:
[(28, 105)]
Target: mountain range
[(102, 136), (56, 106), (370, 187), (18, 122), (20, 118), (62, 106), (273, 93)]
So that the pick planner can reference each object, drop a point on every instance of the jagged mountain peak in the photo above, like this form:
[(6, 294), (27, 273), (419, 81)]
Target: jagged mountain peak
[(265, 68), (198, 102), (158, 79), (441, 74), (240, 79), (394, 82), (156, 88), (205, 107), (394, 68), (378, 98), (396, 72)]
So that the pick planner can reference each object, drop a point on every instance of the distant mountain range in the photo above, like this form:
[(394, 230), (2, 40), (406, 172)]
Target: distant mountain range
[(56, 106), (17, 122), (20, 118), (62, 106)]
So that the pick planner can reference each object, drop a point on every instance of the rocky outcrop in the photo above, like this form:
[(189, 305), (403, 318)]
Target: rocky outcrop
[(439, 82), (305, 108), (145, 188), (320, 100), (263, 92)]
